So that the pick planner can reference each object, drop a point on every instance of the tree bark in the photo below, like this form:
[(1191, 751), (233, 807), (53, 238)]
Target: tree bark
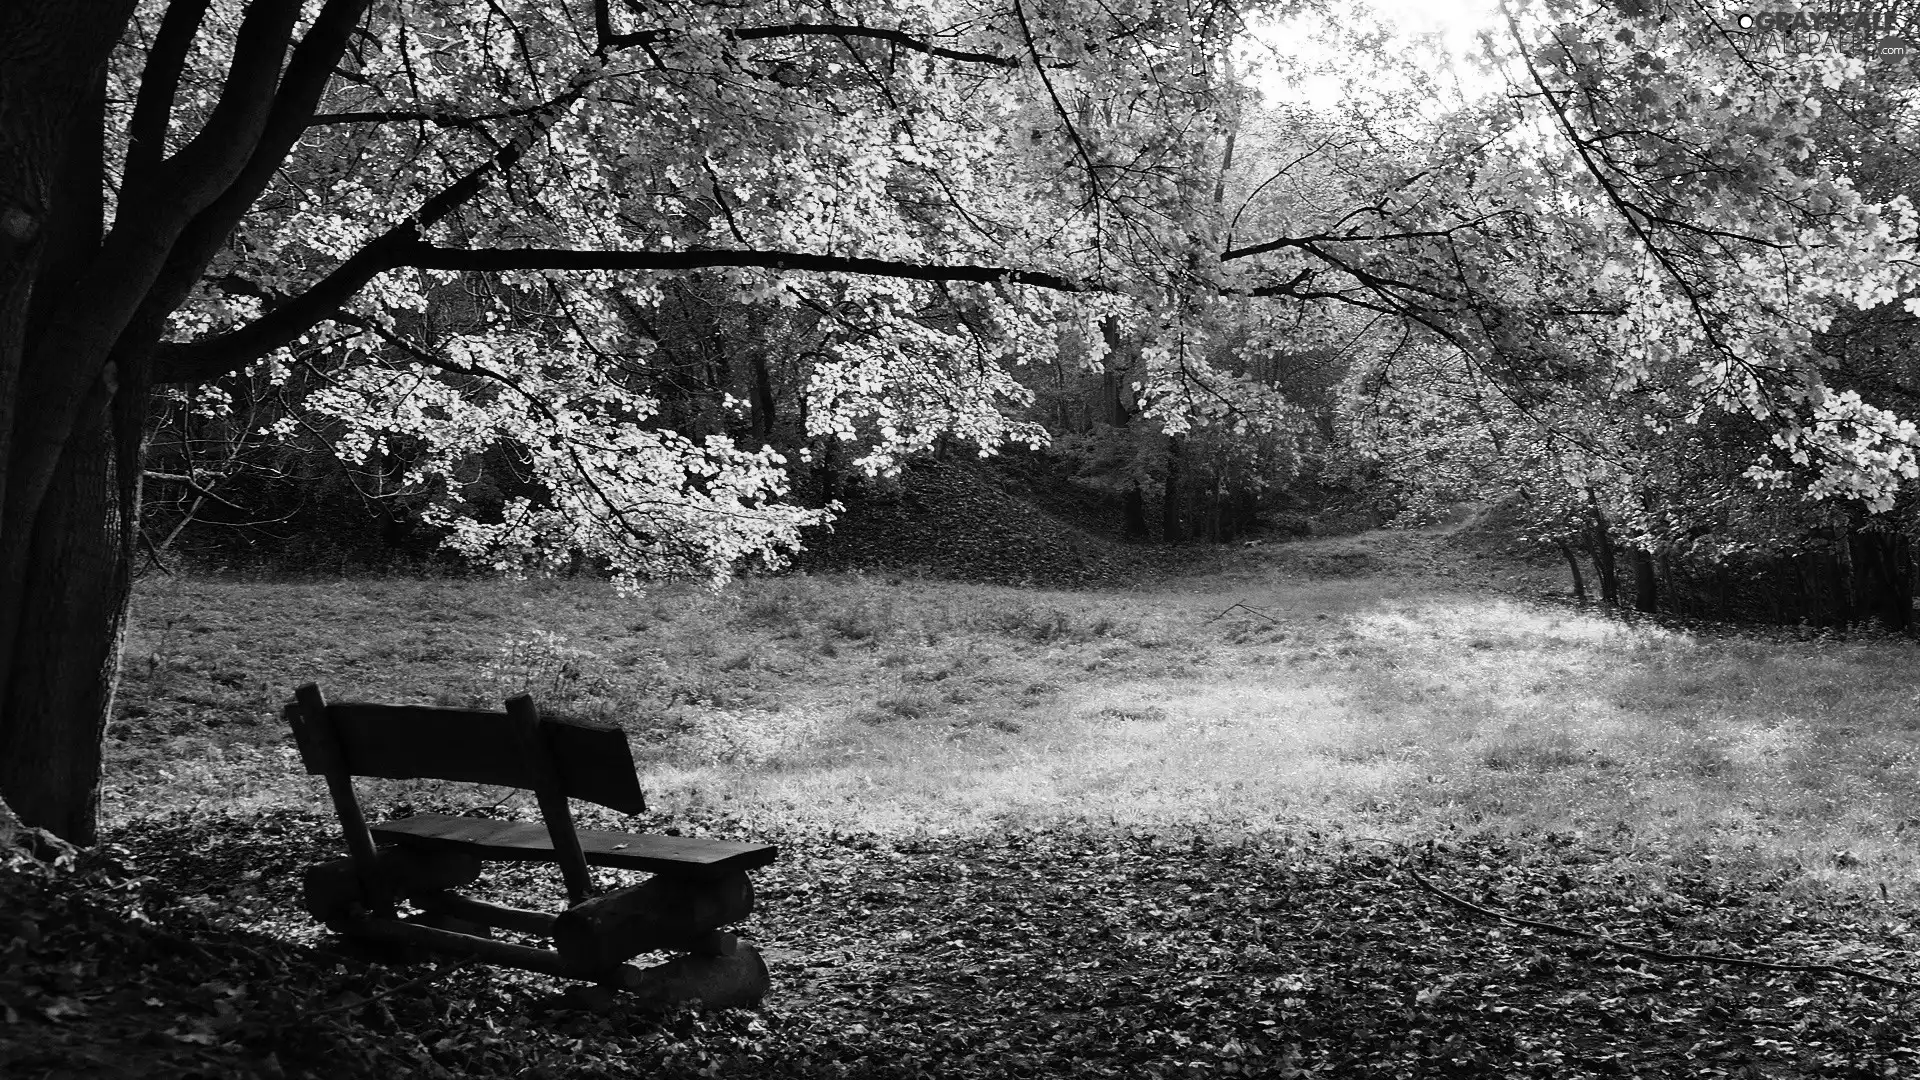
[(72, 613), (65, 541)]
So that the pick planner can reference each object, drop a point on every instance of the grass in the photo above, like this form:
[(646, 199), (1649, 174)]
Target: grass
[(1388, 685)]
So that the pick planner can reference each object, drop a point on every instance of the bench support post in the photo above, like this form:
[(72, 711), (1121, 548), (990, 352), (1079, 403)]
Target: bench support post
[(318, 744)]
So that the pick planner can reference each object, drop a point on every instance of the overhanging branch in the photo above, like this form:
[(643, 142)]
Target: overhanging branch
[(402, 247), (427, 256), (610, 39)]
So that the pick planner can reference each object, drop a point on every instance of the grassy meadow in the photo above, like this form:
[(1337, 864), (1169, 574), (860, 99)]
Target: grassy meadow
[(1394, 685)]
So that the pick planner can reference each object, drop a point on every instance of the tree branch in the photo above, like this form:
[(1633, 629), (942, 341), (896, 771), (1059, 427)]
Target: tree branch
[(437, 119), (159, 82), (872, 33), (305, 79), (231, 351), (194, 486), (427, 256), (203, 169), (660, 35), (402, 246)]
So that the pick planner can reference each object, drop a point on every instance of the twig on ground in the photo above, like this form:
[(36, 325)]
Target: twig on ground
[(439, 972), (1648, 951), (1246, 608)]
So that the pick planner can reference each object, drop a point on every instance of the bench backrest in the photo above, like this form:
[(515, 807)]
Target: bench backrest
[(412, 742), (555, 759)]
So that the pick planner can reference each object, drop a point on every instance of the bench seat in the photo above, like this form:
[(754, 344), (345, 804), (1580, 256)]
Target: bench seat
[(529, 841)]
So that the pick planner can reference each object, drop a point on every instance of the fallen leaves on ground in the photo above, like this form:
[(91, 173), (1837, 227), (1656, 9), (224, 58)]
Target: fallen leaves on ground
[(179, 949)]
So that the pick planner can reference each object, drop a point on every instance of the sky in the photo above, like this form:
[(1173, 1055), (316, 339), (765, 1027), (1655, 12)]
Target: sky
[(1455, 21)]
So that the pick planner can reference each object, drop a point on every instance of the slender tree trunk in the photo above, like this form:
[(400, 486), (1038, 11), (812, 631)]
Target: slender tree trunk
[(1135, 513), (1903, 551), (763, 414), (1840, 579), (827, 472), (1573, 566), (1605, 567), (1114, 396), (1833, 588), (1170, 529), (1883, 580), (1646, 584)]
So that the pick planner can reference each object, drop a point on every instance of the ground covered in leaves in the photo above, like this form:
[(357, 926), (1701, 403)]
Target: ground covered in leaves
[(178, 950)]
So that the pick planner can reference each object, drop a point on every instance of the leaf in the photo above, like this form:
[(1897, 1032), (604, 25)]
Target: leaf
[(60, 1009)]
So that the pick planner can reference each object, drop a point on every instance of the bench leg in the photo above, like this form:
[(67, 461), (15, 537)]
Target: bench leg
[(452, 924), (715, 982)]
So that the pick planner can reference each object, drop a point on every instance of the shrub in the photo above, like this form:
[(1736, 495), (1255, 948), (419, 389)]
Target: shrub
[(544, 665), (744, 737)]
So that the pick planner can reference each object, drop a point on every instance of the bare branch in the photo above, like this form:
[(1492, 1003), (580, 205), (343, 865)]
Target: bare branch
[(192, 485)]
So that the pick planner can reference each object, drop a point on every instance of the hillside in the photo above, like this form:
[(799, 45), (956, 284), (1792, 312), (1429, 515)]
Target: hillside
[(972, 522), (1002, 524)]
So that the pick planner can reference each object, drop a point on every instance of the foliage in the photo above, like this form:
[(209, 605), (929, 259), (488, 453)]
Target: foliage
[(675, 143), (578, 362)]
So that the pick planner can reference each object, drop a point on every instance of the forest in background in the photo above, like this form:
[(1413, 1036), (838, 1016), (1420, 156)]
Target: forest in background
[(1652, 501)]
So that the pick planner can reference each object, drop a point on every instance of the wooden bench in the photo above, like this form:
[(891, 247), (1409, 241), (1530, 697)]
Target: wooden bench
[(698, 887)]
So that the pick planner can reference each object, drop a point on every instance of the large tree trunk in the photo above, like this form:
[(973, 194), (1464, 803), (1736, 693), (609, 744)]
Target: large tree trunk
[(64, 544), (71, 614), (80, 316)]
